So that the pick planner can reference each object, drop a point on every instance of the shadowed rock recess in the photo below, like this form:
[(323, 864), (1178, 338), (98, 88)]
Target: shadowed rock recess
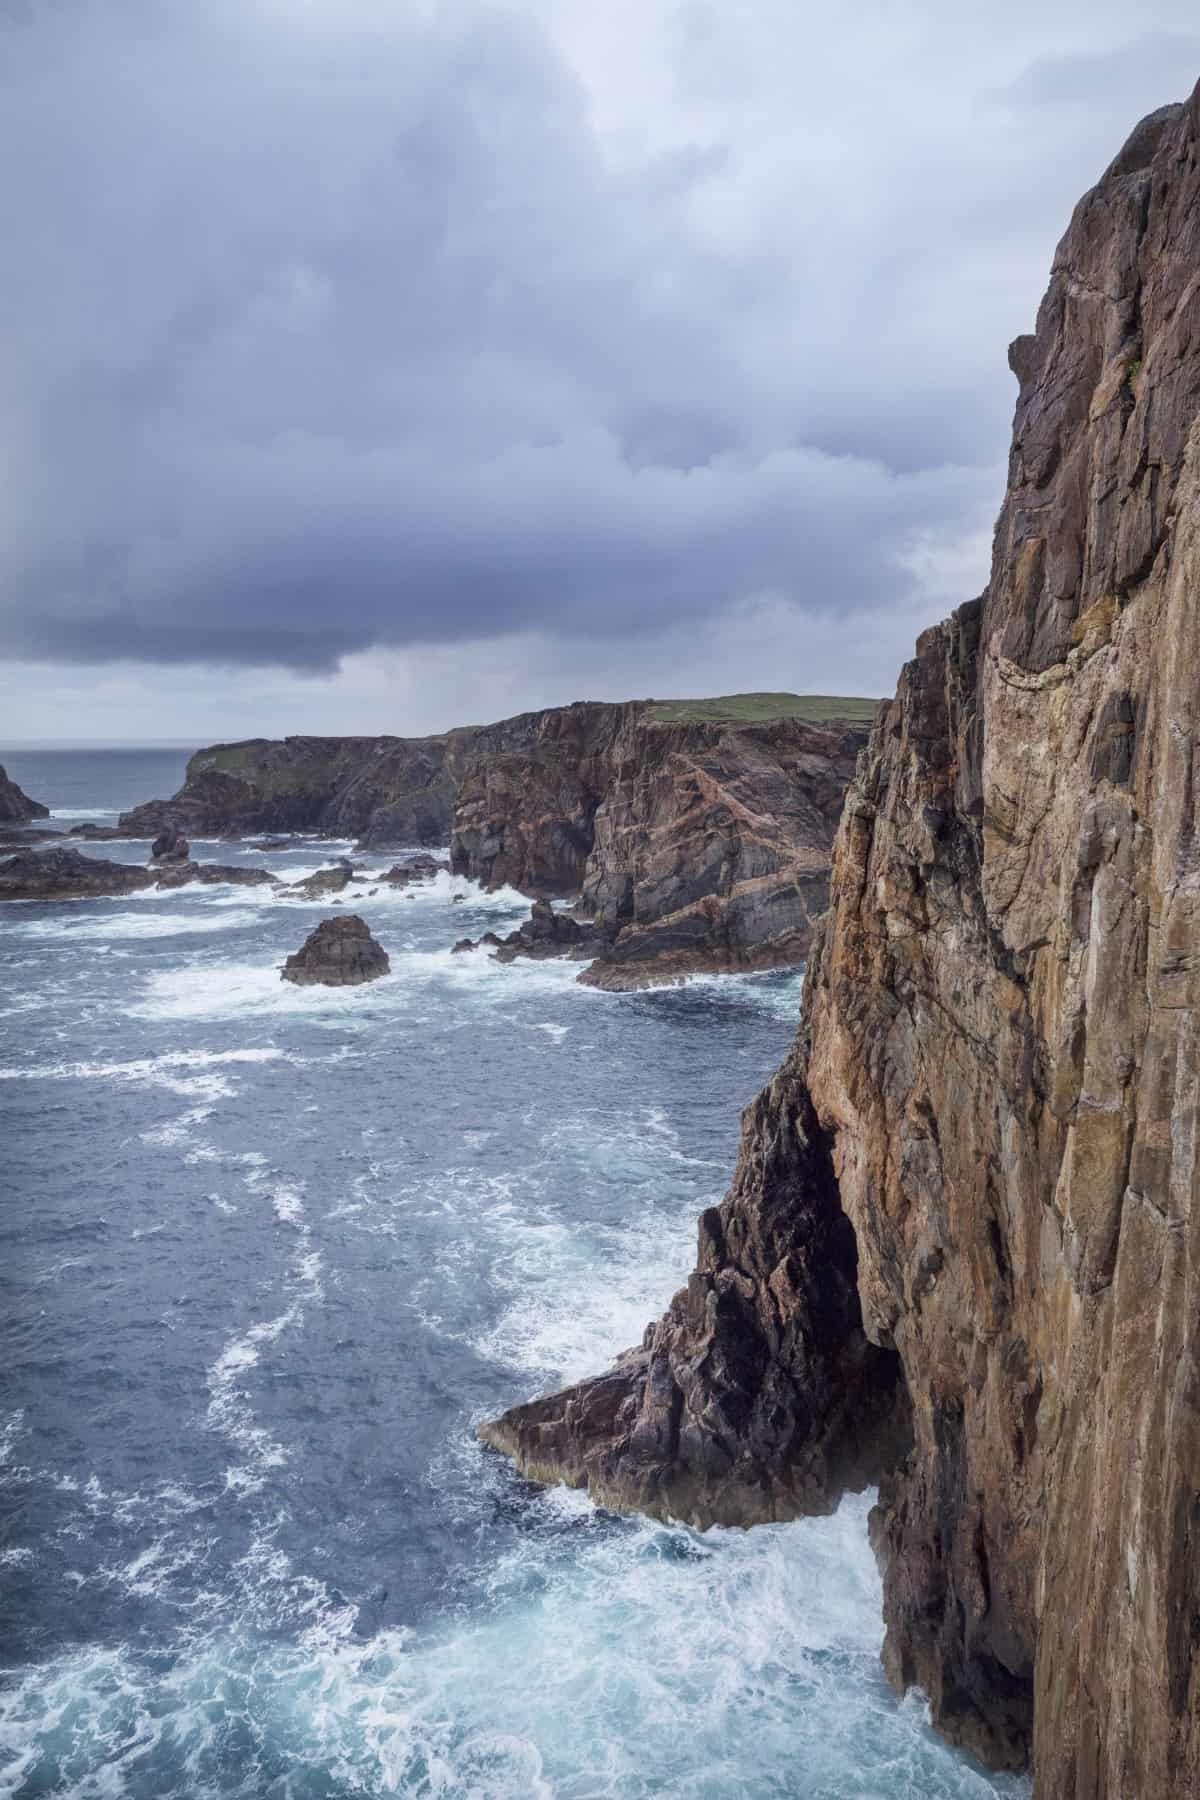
[(996, 1090)]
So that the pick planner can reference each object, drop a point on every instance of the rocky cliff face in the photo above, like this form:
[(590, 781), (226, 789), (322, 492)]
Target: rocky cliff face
[(17, 808), (694, 842), (999, 1063)]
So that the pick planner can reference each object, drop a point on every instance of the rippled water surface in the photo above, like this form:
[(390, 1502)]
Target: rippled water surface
[(268, 1255)]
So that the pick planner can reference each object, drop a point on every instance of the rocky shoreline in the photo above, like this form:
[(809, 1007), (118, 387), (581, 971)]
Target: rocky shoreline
[(961, 1243), (689, 843)]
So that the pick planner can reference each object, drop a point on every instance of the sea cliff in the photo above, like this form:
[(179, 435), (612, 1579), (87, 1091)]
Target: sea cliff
[(695, 835), (961, 1251)]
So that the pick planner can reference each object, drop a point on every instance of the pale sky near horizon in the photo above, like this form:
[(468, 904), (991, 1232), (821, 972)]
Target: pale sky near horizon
[(382, 367)]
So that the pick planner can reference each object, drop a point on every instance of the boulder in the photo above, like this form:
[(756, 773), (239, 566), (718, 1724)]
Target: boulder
[(170, 846), (337, 953)]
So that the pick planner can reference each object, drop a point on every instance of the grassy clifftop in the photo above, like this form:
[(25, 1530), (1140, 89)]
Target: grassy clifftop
[(814, 709)]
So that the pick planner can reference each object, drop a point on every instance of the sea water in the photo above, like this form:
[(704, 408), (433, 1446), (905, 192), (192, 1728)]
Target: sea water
[(268, 1255)]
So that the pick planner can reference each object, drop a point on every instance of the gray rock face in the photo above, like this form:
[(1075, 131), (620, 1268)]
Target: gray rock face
[(338, 953), (17, 808)]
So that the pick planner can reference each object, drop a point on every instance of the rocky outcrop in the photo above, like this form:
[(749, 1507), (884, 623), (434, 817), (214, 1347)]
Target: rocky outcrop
[(337, 953), (62, 874), (1000, 1051), (696, 835), (65, 874), (170, 846), (546, 933), (17, 808), (176, 874), (323, 882), (757, 1396)]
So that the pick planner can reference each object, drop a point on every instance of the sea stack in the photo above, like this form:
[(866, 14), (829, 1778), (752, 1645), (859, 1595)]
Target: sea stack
[(16, 808), (337, 953)]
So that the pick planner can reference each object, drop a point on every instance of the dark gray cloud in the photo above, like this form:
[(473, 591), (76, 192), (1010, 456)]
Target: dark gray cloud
[(327, 327)]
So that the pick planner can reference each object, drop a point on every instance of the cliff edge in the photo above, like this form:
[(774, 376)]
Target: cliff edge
[(996, 1092)]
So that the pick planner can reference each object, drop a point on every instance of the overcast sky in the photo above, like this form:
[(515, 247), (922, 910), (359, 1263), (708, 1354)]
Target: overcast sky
[(379, 365)]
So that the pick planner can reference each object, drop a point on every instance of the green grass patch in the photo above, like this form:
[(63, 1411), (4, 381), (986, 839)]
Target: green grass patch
[(815, 709)]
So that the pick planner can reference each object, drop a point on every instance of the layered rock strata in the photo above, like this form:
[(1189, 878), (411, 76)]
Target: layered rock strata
[(999, 1064)]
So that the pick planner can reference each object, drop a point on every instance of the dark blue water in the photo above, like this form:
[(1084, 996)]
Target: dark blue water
[(267, 1256)]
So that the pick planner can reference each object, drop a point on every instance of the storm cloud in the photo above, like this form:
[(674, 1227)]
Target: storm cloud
[(328, 328)]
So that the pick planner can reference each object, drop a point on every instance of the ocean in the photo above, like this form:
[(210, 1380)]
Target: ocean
[(268, 1255)]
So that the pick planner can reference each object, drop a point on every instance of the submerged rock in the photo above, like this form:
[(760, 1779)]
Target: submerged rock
[(338, 953)]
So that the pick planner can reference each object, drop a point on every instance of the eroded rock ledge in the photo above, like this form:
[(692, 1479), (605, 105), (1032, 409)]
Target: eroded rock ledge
[(1000, 1051)]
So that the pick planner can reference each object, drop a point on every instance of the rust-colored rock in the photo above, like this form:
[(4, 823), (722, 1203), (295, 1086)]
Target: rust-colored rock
[(1001, 1049)]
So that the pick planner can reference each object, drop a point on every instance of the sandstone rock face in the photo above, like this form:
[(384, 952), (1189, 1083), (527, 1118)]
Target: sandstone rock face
[(1000, 1049), (17, 808), (337, 953)]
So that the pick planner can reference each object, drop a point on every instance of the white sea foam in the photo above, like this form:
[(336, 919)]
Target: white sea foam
[(605, 1663), (139, 925)]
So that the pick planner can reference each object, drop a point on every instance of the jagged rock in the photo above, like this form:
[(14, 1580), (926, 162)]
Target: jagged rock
[(323, 882), (98, 834), (999, 1049), (16, 808), (462, 945), (338, 953), (416, 868), (63, 874), (271, 846), (757, 1396), (170, 846), (547, 933)]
